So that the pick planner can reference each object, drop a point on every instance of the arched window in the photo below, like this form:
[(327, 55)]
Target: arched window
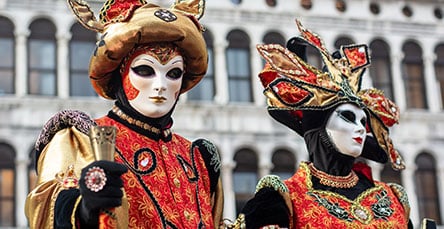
[(343, 41), (42, 58), (439, 69), (7, 185), (204, 90), (81, 46), (380, 68), (427, 187), (7, 57), (389, 175), (274, 38), (284, 164), (238, 64), (413, 76), (244, 176)]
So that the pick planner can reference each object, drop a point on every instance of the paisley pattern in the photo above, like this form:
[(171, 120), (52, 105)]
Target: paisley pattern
[(167, 185), (377, 207)]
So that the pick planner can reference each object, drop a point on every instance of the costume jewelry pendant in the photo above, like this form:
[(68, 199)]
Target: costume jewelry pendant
[(95, 179)]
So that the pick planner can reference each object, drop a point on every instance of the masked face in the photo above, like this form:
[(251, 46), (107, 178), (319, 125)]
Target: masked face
[(152, 86), (346, 129)]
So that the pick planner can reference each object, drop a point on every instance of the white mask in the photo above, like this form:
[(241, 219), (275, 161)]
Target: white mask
[(158, 84), (346, 129)]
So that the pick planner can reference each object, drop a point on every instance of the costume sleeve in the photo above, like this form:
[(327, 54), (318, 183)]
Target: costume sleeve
[(63, 149), (211, 158)]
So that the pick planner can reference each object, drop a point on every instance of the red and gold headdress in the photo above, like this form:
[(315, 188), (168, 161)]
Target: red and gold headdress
[(293, 85), (125, 24)]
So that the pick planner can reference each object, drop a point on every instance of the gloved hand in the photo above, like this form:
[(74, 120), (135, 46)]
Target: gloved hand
[(100, 186), (266, 208)]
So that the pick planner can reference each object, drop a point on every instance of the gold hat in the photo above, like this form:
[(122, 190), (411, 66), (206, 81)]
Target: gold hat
[(124, 24), (293, 86)]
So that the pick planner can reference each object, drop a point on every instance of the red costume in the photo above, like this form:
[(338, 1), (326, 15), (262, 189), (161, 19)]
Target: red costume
[(339, 122), (146, 57), (377, 207)]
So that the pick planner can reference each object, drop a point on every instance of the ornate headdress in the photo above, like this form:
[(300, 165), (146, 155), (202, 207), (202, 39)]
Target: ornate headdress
[(124, 24), (294, 86)]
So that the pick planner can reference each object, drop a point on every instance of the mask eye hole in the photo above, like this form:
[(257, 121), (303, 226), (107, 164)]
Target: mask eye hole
[(174, 73), (364, 121), (347, 115), (143, 70)]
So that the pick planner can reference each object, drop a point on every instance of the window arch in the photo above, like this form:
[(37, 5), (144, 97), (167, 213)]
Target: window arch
[(380, 68), (389, 175), (274, 38), (238, 64), (439, 69), (42, 58), (427, 187), (244, 176), (81, 46), (7, 185), (343, 40), (284, 163), (204, 90), (7, 57), (413, 76)]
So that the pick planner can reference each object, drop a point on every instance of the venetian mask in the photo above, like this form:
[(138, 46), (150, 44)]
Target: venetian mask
[(152, 79), (346, 128)]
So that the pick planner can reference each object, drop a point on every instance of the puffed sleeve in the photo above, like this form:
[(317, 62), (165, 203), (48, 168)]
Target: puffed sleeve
[(63, 148)]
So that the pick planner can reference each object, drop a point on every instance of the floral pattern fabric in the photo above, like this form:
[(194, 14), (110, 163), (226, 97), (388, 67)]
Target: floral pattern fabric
[(167, 184), (377, 207)]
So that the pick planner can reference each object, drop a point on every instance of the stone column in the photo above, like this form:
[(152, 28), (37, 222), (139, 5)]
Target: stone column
[(408, 179), (431, 84), (21, 60), (221, 75), (398, 83), (256, 67), (229, 195), (63, 65), (21, 190)]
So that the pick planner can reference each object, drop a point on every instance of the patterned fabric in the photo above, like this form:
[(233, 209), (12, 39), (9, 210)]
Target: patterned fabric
[(377, 207), (167, 185), (62, 120)]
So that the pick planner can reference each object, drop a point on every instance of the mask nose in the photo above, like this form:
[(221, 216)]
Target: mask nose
[(159, 84)]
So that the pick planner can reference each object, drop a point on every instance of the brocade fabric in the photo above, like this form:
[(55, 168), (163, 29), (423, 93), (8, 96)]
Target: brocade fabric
[(377, 207)]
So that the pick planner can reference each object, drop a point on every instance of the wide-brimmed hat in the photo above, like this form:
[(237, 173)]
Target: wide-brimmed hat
[(126, 24)]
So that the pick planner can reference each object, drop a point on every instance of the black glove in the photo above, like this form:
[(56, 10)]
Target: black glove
[(108, 197), (266, 208)]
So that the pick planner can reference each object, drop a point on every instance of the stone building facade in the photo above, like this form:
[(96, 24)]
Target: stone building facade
[(43, 69)]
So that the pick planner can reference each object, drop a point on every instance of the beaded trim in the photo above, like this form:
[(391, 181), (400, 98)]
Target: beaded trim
[(136, 122), (334, 181)]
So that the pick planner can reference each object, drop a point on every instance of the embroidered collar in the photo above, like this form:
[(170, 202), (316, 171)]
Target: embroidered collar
[(348, 181), (140, 126)]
